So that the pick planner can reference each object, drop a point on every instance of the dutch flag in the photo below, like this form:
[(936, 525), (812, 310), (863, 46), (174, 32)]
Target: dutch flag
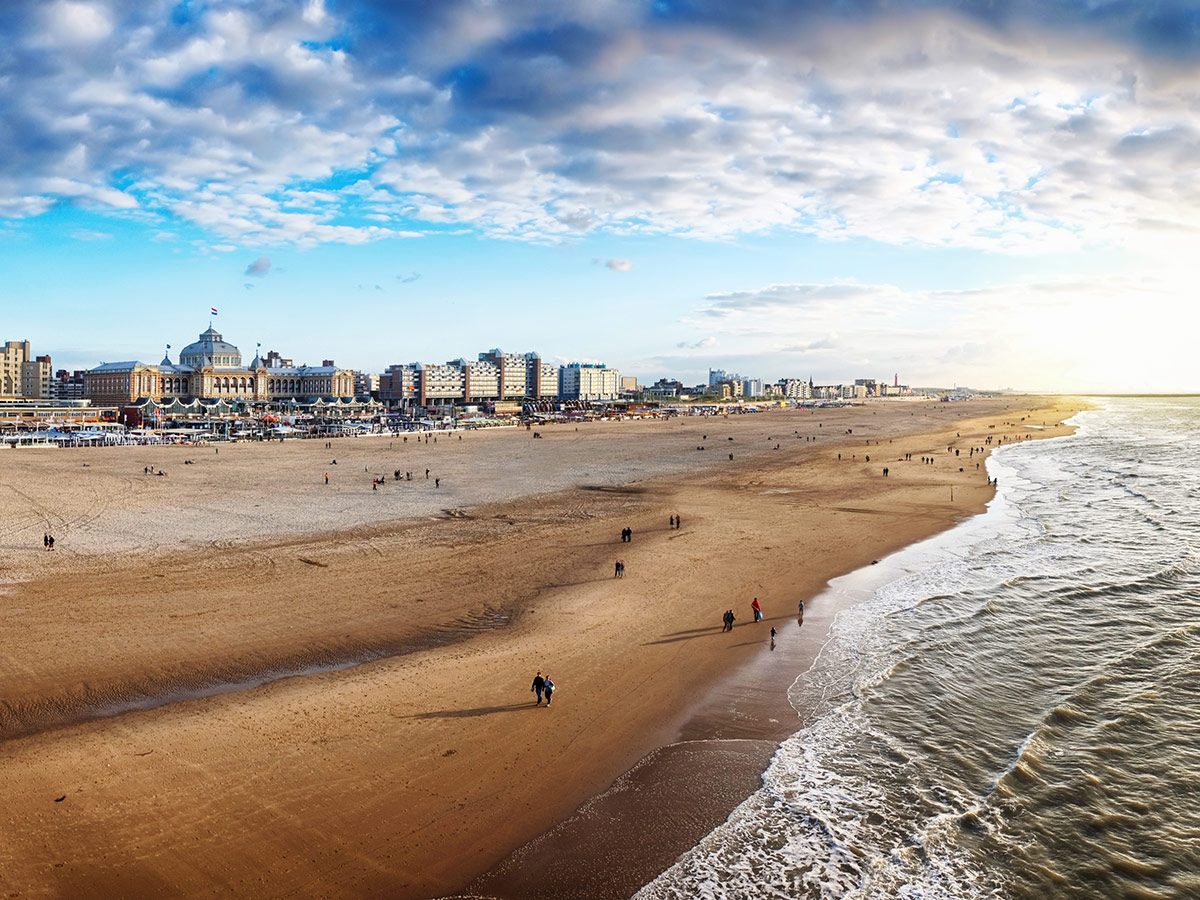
[(214, 310)]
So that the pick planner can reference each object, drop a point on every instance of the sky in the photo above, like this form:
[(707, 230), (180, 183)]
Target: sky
[(994, 194)]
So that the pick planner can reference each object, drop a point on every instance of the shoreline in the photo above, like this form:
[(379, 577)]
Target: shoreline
[(679, 792), (438, 730)]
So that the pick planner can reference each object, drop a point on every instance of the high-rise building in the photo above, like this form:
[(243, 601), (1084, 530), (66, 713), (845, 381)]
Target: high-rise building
[(365, 384), (493, 376), (588, 381), (67, 385), (23, 376)]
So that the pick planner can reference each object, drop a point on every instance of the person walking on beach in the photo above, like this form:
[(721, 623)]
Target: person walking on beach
[(617, 569), (46, 540), (539, 684), (51, 539), (327, 478), (757, 610), (672, 523), (548, 687)]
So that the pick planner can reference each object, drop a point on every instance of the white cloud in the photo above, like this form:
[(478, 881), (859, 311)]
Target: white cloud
[(918, 125), (702, 344), (619, 265), (69, 24)]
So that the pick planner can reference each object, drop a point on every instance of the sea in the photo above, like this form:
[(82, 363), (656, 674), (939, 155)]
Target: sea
[(1008, 710)]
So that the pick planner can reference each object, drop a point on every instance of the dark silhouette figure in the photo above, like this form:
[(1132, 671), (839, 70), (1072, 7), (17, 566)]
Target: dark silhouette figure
[(539, 684)]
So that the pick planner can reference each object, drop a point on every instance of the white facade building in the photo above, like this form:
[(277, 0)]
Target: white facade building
[(494, 376), (589, 381)]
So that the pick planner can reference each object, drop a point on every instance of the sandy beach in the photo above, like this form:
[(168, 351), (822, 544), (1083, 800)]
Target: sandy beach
[(236, 680)]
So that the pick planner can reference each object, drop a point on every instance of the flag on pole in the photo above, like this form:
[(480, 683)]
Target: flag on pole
[(214, 310)]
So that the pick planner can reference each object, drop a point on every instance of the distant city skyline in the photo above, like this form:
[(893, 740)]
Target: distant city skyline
[(991, 194)]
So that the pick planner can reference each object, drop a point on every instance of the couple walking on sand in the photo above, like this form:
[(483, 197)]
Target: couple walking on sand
[(542, 685)]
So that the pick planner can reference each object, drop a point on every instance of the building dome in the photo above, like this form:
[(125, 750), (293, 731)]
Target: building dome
[(210, 350)]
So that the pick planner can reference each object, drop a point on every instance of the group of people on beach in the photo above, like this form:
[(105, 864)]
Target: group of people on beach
[(542, 685), (756, 608), (48, 541), (381, 480)]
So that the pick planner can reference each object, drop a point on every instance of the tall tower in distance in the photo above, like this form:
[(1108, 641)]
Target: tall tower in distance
[(896, 383)]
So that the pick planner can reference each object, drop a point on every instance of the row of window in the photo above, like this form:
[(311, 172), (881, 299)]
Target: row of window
[(241, 386)]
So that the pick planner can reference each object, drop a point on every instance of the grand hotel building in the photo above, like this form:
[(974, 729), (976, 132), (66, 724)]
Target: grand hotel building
[(211, 369)]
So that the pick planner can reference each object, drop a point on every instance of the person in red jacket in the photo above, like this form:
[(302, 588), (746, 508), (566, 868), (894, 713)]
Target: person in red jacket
[(757, 610)]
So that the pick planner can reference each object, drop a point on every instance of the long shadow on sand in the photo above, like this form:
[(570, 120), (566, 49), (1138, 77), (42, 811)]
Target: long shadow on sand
[(691, 635), (561, 584), (470, 713)]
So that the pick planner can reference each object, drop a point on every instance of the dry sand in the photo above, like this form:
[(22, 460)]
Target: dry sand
[(236, 681)]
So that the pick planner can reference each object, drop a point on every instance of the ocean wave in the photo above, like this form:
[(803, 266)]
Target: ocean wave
[(1011, 715)]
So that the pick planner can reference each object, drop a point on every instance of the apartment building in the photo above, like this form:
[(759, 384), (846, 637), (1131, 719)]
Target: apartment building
[(22, 375), (589, 381)]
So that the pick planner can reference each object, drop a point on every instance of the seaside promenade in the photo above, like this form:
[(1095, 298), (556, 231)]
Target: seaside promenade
[(238, 680)]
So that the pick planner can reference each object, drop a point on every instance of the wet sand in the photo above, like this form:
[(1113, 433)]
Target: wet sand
[(146, 662)]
